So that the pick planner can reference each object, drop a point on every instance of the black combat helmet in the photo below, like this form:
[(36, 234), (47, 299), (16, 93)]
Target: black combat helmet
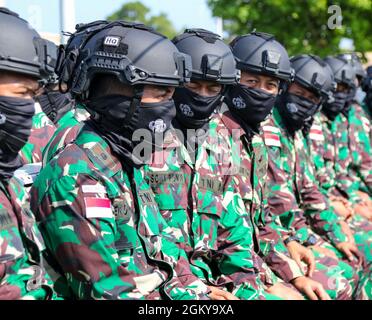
[(127, 51), (367, 81), (68, 53), (212, 59), (22, 50), (259, 52), (342, 70), (314, 74), (356, 63)]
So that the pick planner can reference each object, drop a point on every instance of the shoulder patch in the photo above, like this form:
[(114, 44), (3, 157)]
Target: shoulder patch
[(98, 208), (93, 188), (271, 136), (100, 156), (316, 133)]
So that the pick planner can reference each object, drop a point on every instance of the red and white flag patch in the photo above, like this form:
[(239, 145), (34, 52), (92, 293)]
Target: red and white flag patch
[(271, 136), (98, 207), (316, 133)]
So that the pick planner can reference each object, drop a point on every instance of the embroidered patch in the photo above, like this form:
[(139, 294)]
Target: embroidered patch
[(146, 197), (211, 184), (93, 188), (122, 210), (98, 207), (165, 178), (316, 133), (271, 136)]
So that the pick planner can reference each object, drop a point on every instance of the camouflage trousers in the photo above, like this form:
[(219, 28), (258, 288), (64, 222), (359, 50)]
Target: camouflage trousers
[(334, 275), (359, 276)]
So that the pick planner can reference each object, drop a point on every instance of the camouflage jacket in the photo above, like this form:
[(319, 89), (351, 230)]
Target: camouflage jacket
[(41, 132), (104, 234), (199, 201), (359, 145), (251, 163), (322, 155), (336, 146), (293, 192), (67, 128), (21, 273)]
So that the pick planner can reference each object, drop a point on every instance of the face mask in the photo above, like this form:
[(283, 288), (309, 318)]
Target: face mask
[(117, 121), (15, 123), (250, 105), (55, 104), (113, 112), (296, 110), (368, 100), (334, 108), (15, 128), (194, 110)]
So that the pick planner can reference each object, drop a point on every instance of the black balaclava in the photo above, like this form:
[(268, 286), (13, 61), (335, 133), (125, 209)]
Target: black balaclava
[(194, 110), (55, 104), (295, 110), (117, 117), (15, 128), (251, 106), (332, 109)]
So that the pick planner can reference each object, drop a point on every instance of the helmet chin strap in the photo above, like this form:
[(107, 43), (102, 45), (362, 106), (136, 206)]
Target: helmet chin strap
[(136, 102)]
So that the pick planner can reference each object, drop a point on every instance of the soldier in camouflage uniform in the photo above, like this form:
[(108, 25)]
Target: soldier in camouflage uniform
[(41, 132), (66, 114), (42, 126), (22, 275), (338, 159), (358, 136), (293, 186), (105, 236), (249, 104), (193, 187), (367, 102)]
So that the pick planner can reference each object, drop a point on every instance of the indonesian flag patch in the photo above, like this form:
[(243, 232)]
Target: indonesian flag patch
[(271, 136), (316, 133), (98, 207)]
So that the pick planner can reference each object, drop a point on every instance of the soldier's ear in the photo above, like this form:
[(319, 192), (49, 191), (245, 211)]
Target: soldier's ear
[(169, 93)]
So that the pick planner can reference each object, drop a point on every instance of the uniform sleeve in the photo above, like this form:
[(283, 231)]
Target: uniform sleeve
[(184, 284), (317, 210), (81, 234), (344, 181), (274, 251), (234, 249), (82, 242), (20, 276), (360, 146), (281, 196)]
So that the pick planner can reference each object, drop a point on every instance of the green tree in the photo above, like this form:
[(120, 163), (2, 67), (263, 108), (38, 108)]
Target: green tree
[(138, 12), (301, 25)]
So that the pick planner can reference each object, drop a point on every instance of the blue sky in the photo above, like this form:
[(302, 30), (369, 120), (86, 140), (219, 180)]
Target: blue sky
[(44, 14)]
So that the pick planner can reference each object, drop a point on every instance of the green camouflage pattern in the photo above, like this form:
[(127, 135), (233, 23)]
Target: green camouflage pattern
[(22, 275), (359, 145), (123, 250), (251, 167), (66, 131), (294, 196), (198, 200), (41, 132)]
